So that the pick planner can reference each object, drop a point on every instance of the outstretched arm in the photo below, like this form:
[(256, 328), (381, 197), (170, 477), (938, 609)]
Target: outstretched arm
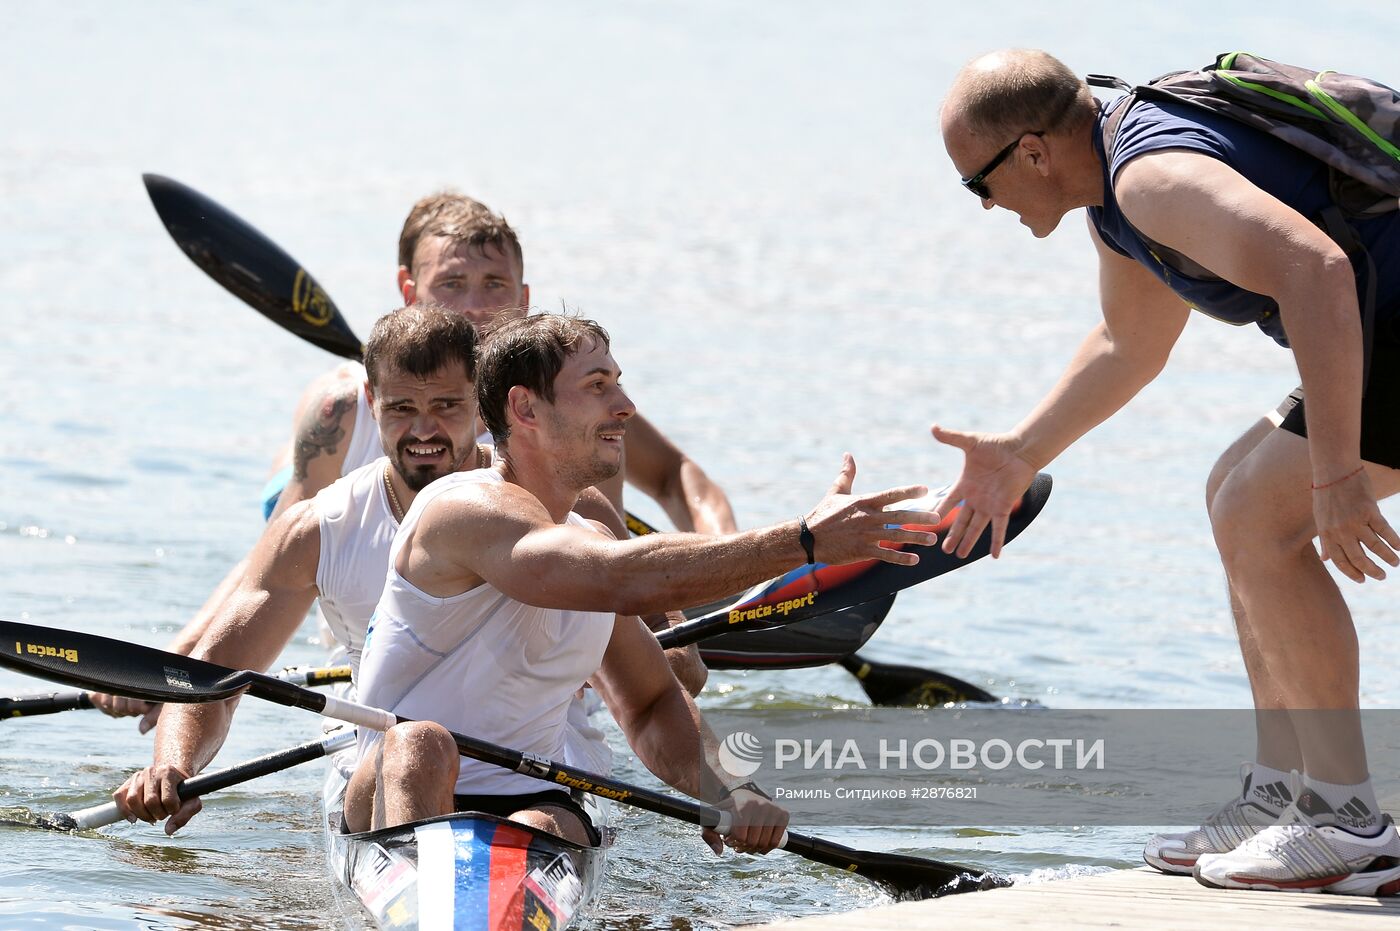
[(253, 626), (503, 535), (660, 469), (1142, 320)]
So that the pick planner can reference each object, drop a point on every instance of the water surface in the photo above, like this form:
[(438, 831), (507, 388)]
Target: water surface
[(753, 199)]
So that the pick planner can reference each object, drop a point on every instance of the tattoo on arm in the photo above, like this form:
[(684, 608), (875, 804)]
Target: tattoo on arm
[(320, 430)]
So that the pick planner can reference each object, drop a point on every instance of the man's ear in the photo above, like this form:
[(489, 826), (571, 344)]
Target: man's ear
[(525, 298), (520, 406), (1038, 153), (369, 398), (407, 286)]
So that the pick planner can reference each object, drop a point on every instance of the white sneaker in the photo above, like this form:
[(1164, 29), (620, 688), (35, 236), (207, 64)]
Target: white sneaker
[(1296, 855), (1234, 823)]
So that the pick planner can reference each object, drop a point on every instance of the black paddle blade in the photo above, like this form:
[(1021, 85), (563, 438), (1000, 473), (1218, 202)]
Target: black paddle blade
[(907, 686), (45, 821), (906, 877), (102, 664), (816, 642), (252, 267), (915, 878), (817, 590)]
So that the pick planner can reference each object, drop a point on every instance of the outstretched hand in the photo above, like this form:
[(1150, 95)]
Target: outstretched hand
[(849, 528), (993, 479)]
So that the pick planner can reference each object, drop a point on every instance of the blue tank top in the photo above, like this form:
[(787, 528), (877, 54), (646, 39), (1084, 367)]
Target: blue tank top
[(1295, 178)]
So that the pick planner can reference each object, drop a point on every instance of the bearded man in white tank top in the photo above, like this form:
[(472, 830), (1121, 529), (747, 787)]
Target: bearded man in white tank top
[(335, 546), (501, 601)]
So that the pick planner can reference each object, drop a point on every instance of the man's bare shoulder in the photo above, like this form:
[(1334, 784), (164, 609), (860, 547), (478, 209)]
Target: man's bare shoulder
[(472, 507), (326, 419), (290, 546), (1153, 182)]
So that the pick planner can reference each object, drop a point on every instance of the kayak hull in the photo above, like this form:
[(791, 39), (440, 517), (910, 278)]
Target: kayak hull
[(468, 871)]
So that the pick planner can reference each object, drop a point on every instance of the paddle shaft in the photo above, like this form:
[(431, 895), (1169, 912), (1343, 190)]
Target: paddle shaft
[(28, 706), (108, 813), (21, 706), (545, 770), (94, 662)]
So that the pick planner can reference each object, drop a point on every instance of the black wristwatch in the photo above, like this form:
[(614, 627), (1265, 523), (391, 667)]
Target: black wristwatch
[(727, 792)]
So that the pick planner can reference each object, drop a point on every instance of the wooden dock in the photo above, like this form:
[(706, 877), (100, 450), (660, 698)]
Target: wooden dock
[(1139, 899)]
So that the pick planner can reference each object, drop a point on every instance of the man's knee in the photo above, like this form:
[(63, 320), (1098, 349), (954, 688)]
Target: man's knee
[(1253, 532), (1233, 456), (419, 751), (552, 819)]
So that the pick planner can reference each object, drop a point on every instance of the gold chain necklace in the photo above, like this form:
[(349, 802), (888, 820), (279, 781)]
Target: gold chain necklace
[(399, 513), (393, 498)]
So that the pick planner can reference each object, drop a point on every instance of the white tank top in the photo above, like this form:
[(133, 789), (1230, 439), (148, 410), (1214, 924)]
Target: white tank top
[(362, 446), (479, 663), (357, 527)]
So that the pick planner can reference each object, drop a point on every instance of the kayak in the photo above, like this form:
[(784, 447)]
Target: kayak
[(462, 871)]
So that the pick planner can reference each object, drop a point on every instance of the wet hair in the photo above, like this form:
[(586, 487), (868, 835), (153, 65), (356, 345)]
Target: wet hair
[(529, 352), (461, 219), (419, 340), (1016, 91)]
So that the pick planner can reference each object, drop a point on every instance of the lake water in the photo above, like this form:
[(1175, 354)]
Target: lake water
[(754, 200)]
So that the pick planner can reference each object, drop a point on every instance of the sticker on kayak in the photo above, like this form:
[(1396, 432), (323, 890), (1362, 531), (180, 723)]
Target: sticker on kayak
[(380, 880), (552, 894)]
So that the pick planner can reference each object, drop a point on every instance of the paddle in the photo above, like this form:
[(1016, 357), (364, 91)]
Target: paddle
[(820, 589), (888, 684), (102, 815), (251, 266), (114, 666), (26, 706), (820, 641)]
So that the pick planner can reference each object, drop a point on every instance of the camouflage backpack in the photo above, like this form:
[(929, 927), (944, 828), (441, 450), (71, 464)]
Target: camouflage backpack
[(1352, 124)]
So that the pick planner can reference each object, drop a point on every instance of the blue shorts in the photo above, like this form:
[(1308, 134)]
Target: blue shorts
[(273, 490)]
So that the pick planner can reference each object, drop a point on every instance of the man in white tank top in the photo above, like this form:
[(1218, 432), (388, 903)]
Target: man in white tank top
[(336, 546), (500, 601)]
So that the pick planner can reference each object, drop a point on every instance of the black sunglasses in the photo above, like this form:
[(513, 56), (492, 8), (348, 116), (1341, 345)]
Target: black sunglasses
[(977, 184)]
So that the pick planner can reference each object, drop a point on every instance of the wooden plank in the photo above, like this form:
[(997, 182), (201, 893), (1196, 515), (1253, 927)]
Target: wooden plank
[(1140, 899)]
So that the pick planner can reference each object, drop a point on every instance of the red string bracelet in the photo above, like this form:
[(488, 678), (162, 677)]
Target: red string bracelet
[(1352, 474)]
